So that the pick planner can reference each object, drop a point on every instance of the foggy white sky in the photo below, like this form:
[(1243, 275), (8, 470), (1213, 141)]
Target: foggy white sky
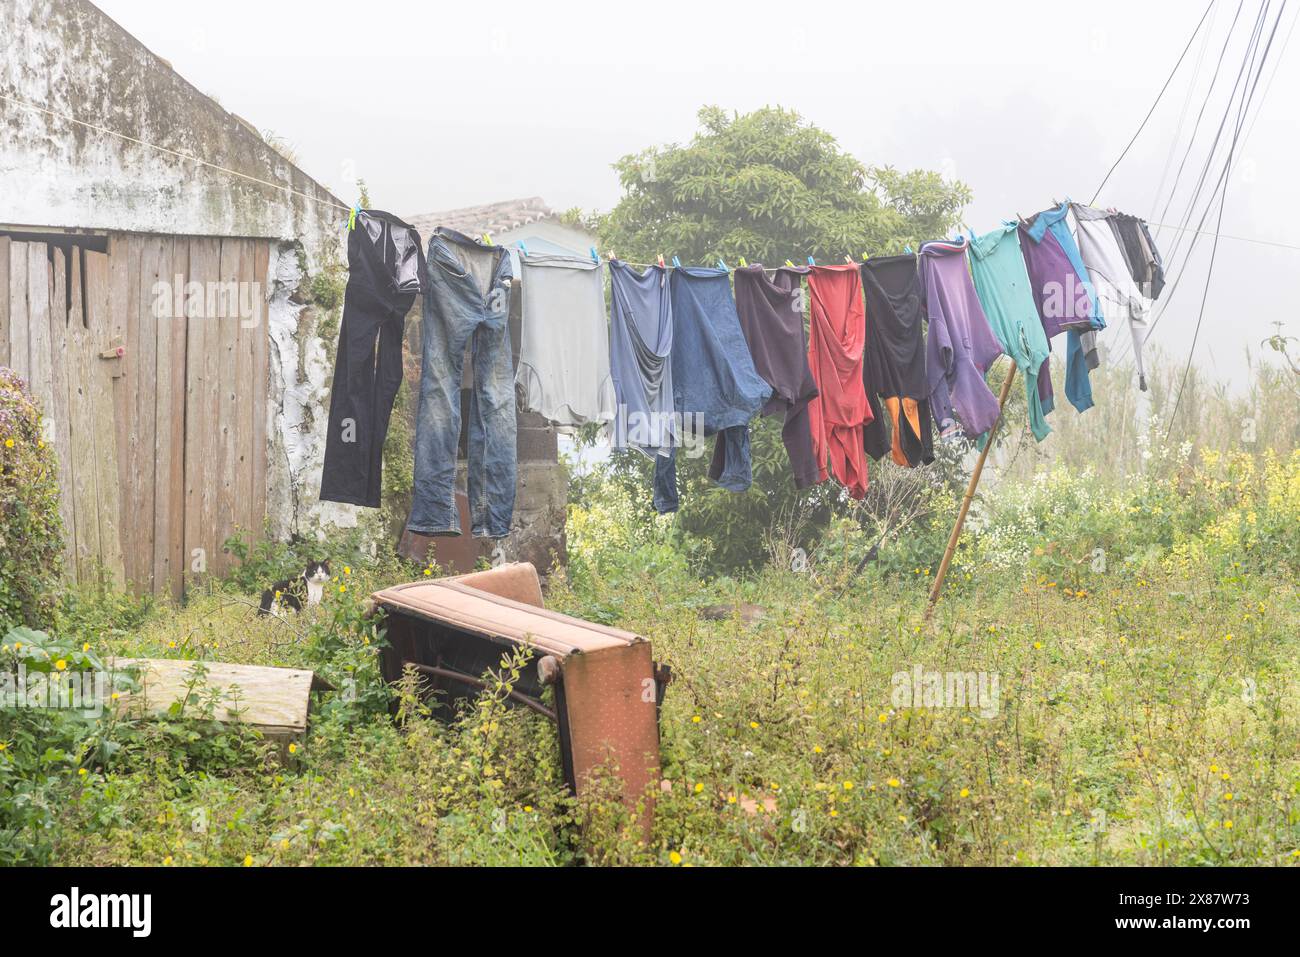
[(439, 105)]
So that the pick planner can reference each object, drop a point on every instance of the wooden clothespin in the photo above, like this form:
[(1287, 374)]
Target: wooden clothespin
[(848, 259)]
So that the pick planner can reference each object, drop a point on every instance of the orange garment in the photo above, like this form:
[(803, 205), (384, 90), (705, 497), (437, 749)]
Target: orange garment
[(911, 412), (837, 334)]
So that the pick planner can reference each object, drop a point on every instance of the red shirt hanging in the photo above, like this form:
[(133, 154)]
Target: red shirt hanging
[(837, 333)]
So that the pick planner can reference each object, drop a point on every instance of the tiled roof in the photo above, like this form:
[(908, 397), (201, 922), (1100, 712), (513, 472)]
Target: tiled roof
[(490, 218)]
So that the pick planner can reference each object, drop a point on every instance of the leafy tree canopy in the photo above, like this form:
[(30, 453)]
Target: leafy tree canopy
[(771, 187)]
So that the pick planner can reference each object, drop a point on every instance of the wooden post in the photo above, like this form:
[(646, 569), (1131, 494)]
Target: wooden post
[(970, 494)]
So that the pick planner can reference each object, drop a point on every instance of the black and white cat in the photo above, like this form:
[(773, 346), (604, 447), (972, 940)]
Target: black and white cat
[(306, 589)]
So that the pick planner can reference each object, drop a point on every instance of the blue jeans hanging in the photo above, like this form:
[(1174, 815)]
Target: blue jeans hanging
[(466, 301)]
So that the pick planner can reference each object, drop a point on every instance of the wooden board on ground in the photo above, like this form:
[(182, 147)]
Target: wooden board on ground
[(273, 700)]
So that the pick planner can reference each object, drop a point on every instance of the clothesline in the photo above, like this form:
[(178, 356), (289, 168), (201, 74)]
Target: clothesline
[(789, 264)]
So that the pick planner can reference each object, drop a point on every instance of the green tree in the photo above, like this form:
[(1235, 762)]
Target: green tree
[(771, 187), (767, 186)]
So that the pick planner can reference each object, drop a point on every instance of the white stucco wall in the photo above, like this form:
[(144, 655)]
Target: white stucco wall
[(68, 57)]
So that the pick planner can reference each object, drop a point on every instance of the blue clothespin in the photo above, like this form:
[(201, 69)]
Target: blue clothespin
[(722, 265), (907, 250), (677, 263), (594, 257), (810, 261), (523, 248)]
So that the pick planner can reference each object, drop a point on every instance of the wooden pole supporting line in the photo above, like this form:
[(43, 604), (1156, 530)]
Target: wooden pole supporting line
[(970, 494)]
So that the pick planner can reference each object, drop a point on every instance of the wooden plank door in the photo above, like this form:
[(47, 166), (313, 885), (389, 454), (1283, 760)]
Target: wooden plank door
[(150, 362), (53, 334), (225, 391)]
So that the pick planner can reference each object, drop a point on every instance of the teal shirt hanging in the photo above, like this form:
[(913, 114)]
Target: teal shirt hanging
[(1003, 288)]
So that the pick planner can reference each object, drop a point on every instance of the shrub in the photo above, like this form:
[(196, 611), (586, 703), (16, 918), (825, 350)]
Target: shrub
[(31, 533)]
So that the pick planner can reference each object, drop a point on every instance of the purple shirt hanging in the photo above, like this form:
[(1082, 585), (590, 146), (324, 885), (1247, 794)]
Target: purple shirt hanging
[(961, 347)]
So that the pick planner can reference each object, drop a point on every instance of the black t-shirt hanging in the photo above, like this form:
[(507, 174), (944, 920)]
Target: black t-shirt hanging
[(894, 367)]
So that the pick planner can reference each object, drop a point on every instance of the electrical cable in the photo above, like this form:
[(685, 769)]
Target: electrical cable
[(1215, 248), (1159, 95)]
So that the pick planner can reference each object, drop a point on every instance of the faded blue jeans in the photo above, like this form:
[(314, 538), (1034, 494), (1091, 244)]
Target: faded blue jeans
[(466, 301)]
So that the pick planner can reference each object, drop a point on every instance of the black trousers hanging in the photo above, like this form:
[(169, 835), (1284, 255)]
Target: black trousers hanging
[(385, 267)]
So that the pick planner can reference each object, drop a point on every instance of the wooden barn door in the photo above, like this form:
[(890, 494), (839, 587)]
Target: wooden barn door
[(149, 359), (223, 378), (59, 326)]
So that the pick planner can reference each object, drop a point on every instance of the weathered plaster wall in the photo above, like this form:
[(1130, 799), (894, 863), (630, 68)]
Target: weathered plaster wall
[(301, 374), (67, 56)]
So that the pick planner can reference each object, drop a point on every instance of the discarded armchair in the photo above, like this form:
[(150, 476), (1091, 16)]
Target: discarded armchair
[(608, 689)]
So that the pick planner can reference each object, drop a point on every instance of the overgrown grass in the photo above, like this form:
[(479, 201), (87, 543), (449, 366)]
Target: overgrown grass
[(1136, 710)]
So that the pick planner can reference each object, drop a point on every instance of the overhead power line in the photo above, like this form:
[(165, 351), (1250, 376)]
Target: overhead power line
[(1159, 95)]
